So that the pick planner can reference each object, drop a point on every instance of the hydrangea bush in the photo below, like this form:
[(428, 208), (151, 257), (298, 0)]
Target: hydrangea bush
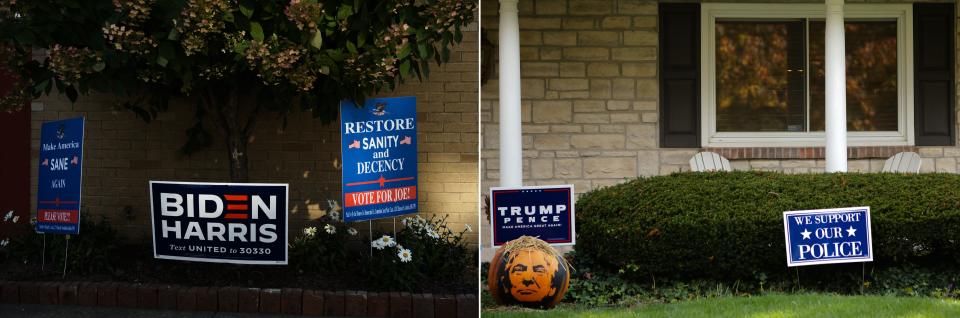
[(234, 59)]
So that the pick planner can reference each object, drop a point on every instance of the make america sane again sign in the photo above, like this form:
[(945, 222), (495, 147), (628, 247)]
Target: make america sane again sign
[(828, 236)]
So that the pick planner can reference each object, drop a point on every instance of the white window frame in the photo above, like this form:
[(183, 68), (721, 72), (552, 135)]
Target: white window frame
[(903, 13)]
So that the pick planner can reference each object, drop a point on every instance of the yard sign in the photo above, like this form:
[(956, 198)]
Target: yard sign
[(58, 184), (828, 236), (239, 223), (379, 150), (545, 212)]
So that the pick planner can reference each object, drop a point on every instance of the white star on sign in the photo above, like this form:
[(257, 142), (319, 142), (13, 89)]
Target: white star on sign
[(851, 232), (806, 234)]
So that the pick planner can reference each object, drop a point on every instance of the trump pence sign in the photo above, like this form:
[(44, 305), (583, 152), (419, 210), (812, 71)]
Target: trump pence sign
[(58, 184), (379, 150), (544, 212), (828, 236), (240, 223)]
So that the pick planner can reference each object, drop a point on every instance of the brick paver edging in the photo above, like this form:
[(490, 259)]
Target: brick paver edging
[(240, 299)]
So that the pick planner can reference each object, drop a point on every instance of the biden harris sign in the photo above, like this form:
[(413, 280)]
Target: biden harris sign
[(379, 150), (240, 223), (828, 236), (545, 212)]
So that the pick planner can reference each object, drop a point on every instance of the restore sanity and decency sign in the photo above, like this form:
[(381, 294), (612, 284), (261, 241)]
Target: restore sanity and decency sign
[(58, 186), (240, 223), (545, 212), (828, 236), (379, 149)]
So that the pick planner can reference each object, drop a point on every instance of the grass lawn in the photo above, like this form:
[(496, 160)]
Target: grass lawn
[(800, 306)]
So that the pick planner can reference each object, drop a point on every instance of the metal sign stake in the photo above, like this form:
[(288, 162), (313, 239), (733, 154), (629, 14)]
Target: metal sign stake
[(863, 274), (394, 227), (370, 225), (43, 253), (799, 288), (65, 255)]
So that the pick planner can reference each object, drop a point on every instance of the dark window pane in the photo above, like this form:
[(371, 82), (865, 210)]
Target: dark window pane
[(871, 55), (760, 76)]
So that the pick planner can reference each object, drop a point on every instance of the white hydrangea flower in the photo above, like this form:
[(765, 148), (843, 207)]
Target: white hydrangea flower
[(433, 234), (377, 244), (310, 231), (405, 255), (352, 231), (330, 229)]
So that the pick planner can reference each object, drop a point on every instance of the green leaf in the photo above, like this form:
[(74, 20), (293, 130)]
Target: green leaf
[(405, 68), (245, 9), (256, 31), (351, 48), (71, 93), (317, 39), (166, 54), (345, 11), (424, 53), (404, 52), (174, 34)]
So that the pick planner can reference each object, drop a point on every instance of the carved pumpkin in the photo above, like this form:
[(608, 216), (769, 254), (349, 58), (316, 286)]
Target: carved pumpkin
[(528, 272)]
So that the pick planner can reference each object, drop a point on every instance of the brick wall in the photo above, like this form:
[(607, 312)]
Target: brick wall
[(590, 101), (122, 153)]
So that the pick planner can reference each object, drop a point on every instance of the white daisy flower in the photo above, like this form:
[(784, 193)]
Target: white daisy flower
[(33, 221), (334, 214), (405, 255), (330, 229), (8, 216), (433, 234), (16, 219), (377, 244), (310, 231), (4, 242), (468, 228), (388, 241), (352, 231)]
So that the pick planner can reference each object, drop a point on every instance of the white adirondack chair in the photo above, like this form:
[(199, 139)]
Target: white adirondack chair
[(709, 161), (906, 161)]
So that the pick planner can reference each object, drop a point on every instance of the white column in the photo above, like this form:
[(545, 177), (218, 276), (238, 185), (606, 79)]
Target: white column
[(836, 89), (511, 145)]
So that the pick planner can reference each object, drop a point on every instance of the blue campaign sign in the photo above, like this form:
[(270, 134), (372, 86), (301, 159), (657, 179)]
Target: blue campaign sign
[(59, 177), (379, 150), (828, 236), (239, 223), (545, 212)]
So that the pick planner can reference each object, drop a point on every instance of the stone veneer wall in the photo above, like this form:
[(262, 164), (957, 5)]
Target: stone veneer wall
[(122, 153), (590, 100)]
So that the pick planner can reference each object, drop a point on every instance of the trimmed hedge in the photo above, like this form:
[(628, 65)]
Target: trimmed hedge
[(729, 225)]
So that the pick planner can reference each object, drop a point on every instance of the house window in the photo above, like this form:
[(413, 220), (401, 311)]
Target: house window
[(763, 68)]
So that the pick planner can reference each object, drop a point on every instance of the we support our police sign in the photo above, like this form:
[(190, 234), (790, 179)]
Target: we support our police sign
[(379, 150), (828, 236), (240, 223), (545, 212), (60, 173)]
